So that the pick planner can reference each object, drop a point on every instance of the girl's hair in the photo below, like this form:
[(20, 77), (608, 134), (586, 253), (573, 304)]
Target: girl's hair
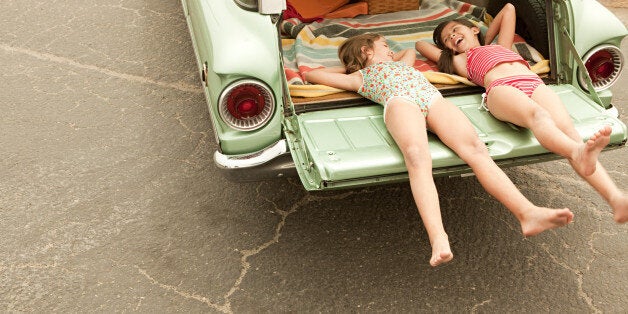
[(350, 51), (446, 60)]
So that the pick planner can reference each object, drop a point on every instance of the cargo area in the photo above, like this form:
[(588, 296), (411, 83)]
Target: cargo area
[(311, 39), (339, 139)]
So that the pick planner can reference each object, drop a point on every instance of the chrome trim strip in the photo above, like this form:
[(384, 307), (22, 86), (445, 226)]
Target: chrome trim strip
[(612, 112), (251, 160)]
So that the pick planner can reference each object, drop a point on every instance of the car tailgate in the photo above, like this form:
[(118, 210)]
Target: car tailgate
[(351, 147)]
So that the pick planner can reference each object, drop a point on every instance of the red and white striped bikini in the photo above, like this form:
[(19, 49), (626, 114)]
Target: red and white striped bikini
[(482, 59)]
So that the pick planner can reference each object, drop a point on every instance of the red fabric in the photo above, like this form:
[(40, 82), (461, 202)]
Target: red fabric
[(291, 12), (349, 10), (309, 9)]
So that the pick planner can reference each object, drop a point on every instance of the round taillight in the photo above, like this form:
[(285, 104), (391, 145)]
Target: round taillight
[(600, 66), (246, 105), (603, 64), (245, 101)]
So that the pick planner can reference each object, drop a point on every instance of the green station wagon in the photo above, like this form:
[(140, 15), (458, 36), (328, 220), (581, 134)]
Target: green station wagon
[(269, 123)]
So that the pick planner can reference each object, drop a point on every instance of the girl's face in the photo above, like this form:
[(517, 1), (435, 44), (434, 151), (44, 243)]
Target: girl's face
[(459, 38), (380, 52)]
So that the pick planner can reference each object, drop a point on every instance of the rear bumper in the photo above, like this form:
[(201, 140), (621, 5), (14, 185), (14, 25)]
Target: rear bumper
[(274, 161)]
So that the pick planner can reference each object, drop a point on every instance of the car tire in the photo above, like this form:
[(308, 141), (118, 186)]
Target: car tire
[(531, 21)]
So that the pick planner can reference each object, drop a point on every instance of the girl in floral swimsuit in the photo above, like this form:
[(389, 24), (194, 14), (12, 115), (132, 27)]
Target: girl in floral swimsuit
[(412, 105), (517, 95), (384, 81)]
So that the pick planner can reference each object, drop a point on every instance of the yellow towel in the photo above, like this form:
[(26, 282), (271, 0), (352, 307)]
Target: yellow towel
[(541, 67), (314, 90)]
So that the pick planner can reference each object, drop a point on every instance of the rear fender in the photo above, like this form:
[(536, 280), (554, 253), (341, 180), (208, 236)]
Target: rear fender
[(228, 49)]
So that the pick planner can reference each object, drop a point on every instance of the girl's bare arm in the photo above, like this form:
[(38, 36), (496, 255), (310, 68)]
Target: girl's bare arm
[(432, 53), (428, 50), (335, 77), (503, 25), (407, 55)]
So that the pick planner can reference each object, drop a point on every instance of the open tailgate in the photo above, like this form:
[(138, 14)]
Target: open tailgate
[(351, 146)]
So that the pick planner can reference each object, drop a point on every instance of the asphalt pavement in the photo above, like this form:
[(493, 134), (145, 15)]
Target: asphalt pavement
[(110, 201)]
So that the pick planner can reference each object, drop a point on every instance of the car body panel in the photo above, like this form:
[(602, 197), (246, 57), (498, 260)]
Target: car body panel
[(347, 147), (232, 50), (593, 23), (345, 144), (578, 23)]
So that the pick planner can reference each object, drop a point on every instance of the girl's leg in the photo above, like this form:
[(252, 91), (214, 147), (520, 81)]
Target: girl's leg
[(510, 104), (406, 124), (599, 180), (455, 131)]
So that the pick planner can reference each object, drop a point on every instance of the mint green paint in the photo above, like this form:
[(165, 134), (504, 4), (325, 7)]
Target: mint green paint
[(589, 24), (214, 25), (594, 24), (351, 147)]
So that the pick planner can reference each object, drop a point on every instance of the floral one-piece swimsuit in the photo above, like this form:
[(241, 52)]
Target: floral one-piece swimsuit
[(384, 81)]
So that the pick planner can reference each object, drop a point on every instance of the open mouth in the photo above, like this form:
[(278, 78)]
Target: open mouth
[(458, 41)]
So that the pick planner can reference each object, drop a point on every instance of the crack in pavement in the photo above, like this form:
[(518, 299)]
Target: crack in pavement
[(579, 274), (578, 182), (28, 265), (204, 135), (475, 307), (184, 294), (129, 77), (307, 198), (225, 307)]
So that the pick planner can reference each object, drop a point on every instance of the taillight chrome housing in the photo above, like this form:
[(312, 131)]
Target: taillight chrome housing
[(250, 5), (604, 64), (246, 105)]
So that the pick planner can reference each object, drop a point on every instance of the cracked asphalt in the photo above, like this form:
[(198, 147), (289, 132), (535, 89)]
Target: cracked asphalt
[(110, 202)]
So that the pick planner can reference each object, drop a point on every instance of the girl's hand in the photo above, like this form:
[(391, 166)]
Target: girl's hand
[(503, 25)]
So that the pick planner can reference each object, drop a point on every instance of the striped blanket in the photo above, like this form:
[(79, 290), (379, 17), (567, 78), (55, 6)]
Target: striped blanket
[(312, 45)]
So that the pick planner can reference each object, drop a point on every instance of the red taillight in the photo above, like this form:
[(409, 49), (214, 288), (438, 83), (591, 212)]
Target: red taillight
[(603, 64), (600, 65), (246, 105), (245, 102)]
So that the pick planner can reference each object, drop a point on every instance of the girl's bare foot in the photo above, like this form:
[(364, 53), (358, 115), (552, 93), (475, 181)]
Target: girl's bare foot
[(586, 157), (441, 252), (619, 205), (538, 219)]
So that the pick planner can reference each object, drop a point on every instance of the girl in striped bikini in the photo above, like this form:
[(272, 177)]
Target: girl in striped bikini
[(516, 94)]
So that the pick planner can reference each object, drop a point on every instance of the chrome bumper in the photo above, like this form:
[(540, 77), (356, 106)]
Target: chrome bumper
[(274, 161)]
